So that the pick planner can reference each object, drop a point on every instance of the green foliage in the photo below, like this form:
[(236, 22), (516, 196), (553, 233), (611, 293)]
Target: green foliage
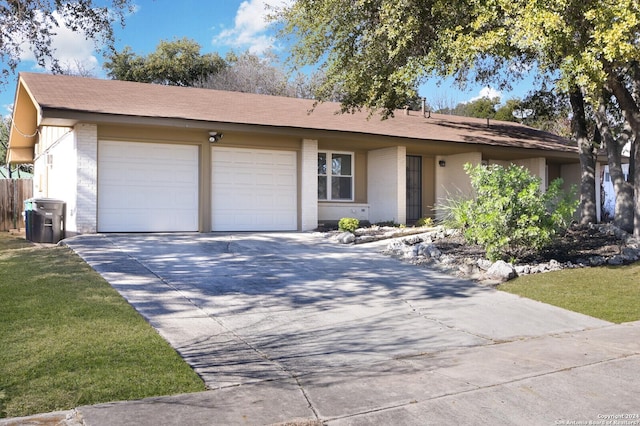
[(510, 213), (348, 224), (30, 26), (424, 221), (389, 223), (177, 63), (4, 138)]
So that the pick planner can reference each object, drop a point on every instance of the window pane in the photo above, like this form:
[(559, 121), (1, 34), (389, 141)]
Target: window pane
[(322, 163), (341, 164), (341, 188), (322, 187)]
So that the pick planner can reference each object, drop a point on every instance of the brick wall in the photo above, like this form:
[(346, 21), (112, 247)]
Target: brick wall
[(309, 185), (87, 148)]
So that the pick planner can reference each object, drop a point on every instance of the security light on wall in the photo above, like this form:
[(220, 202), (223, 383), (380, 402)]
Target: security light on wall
[(215, 137)]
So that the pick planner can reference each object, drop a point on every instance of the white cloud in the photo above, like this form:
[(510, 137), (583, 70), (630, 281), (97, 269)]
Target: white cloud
[(251, 29), (487, 92), (71, 49)]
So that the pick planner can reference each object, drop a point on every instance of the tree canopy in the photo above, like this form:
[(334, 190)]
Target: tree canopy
[(178, 63), (31, 25), (382, 49)]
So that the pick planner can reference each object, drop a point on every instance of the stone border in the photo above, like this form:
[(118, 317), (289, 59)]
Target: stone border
[(418, 246)]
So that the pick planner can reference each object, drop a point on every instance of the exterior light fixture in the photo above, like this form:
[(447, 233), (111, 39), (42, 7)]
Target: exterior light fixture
[(215, 137), (442, 163)]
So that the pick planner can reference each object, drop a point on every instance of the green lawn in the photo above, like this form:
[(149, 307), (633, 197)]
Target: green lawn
[(68, 339), (611, 293)]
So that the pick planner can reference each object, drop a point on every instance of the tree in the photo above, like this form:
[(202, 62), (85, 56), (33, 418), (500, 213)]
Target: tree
[(4, 138), (587, 152), (177, 63), (547, 110), (381, 49), (249, 73), (32, 24), (623, 212), (507, 112), (592, 45)]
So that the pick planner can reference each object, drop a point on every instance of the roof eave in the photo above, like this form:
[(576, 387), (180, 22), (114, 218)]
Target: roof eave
[(25, 122)]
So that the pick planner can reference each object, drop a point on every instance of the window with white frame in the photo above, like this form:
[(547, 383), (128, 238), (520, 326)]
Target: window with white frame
[(335, 176)]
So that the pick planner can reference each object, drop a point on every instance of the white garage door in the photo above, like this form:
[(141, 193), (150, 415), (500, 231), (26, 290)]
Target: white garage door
[(253, 190), (147, 187)]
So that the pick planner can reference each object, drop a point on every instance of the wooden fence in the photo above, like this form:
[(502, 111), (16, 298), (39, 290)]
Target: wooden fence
[(13, 192)]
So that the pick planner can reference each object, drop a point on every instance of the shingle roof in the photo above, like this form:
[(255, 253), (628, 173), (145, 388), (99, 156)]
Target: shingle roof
[(113, 97)]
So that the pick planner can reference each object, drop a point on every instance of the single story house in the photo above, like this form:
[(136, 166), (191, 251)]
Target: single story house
[(134, 157)]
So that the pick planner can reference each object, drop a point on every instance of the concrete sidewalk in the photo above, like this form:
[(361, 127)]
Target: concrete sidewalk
[(540, 381), (588, 376), (285, 327)]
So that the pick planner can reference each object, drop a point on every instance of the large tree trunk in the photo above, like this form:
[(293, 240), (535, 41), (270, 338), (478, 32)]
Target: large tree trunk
[(587, 153), (631, 111), (623, 217)]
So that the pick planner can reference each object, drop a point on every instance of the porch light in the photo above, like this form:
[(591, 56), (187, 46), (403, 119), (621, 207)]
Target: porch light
[(442, 163), (215, 137)]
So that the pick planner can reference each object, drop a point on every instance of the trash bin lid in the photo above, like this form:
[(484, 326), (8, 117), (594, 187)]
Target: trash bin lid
[(48, 204)]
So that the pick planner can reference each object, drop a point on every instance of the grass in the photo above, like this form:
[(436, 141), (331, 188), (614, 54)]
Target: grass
[(67, 338), (611, 293)]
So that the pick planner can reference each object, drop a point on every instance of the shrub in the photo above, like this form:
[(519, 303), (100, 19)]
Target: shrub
[(510, 213), (348, 224), (424, 221)]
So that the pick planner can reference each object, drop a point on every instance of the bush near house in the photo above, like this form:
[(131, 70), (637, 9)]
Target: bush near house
[(348, 224), (510, 214)]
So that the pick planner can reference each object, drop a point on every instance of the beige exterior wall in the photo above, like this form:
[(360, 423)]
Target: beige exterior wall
[(387, 177), (537, 167), (333, 212), (451, 179), (379, 174), (428, 187)]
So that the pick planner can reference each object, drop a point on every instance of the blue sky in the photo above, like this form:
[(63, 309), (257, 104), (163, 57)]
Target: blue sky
[(218, 26)]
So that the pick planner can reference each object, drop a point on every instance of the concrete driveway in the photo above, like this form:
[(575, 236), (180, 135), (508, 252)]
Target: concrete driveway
[(326, 321)]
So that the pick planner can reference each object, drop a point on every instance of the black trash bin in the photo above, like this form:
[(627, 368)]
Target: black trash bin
[(44, 220)]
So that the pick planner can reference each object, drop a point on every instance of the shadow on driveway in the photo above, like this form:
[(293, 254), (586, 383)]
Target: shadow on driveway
[(243, 308)]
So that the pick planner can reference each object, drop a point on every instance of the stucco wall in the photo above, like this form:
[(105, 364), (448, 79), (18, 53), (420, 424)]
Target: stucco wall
[(537, 167), (386, 183), (451, 179)]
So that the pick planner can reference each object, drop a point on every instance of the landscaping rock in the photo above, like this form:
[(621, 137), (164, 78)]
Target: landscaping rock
[(501, 271), (346, 238), (429, 250), (616, 260), (484, 264), (582, 246)]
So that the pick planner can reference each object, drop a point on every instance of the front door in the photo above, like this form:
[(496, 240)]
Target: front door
[(414, 188)]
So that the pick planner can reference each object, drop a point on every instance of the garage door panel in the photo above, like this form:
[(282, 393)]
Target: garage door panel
[(253, 190), (147, 187)]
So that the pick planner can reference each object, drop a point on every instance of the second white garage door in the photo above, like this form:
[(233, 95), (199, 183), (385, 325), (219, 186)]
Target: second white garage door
[(253, 190), (147, 187)]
